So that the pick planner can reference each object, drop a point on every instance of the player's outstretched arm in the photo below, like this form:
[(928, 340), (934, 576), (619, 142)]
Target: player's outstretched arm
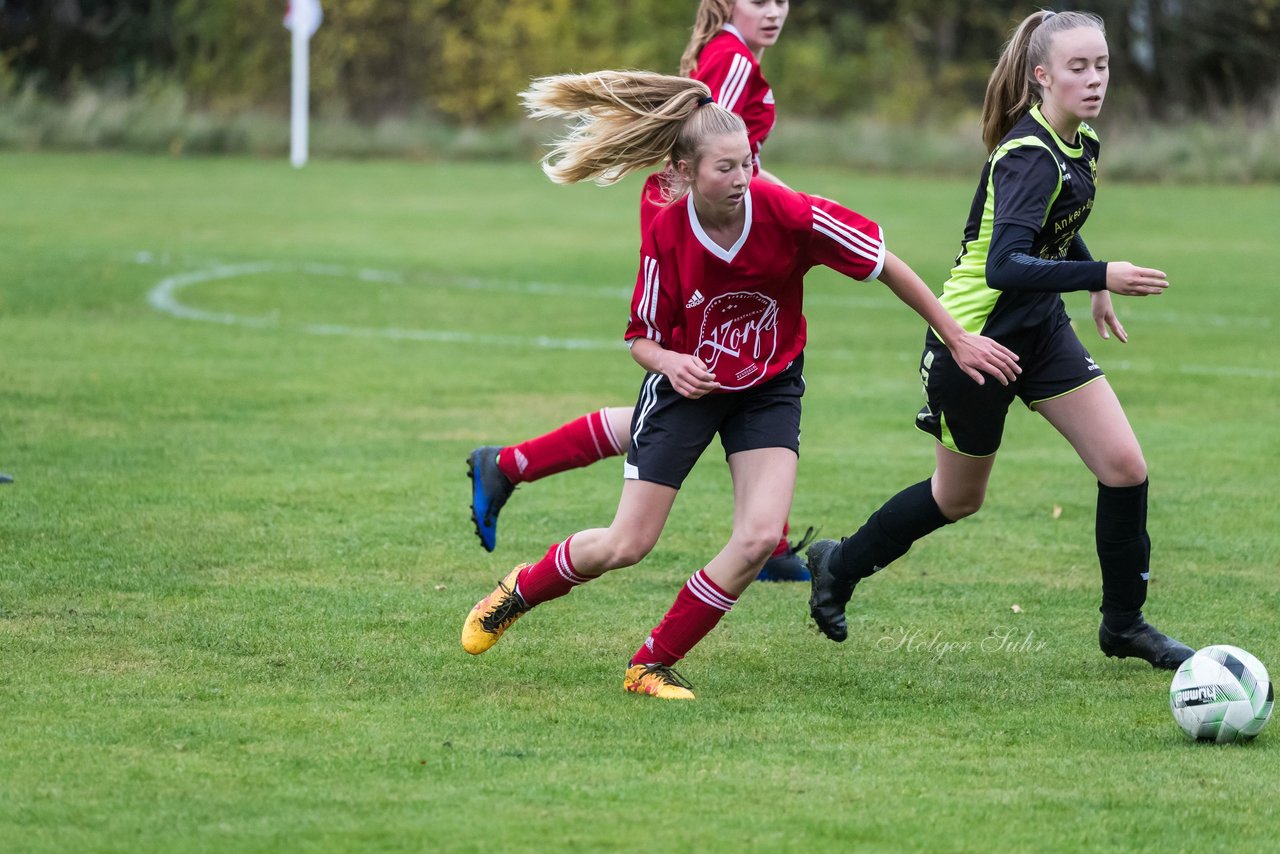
[(1132, 281), (974, 354)]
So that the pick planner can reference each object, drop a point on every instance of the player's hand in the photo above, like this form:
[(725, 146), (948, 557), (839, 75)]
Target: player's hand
[(1104, 317), (977, 355), (1128, 280), (689, 375)]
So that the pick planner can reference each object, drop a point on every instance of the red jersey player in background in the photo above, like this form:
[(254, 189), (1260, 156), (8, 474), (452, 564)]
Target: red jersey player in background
[(716, 321), (724, 51)]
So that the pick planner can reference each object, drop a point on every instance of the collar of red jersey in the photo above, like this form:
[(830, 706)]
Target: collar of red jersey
[(725, 255), (730, 28)]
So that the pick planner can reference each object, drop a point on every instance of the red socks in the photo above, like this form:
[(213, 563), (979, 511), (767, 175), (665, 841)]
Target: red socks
[(783, 546), (549, 578), (579, 443), (698, 607)]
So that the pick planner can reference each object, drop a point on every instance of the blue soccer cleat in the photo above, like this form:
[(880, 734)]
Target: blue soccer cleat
[(490, 489), (788, 566)]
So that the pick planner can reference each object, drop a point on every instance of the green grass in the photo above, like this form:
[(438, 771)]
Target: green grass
[(235, 560)]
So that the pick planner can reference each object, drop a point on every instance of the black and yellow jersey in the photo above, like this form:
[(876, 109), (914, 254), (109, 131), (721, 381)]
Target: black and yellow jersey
[(1034, 183)]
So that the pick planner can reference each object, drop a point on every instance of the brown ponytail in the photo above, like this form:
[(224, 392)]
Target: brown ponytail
[(1012, 89), (711, 17)]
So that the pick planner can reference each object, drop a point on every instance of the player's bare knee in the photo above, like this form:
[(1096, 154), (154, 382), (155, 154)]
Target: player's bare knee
[(957, 507), (1127, 470), (627, 550), (758, 545)]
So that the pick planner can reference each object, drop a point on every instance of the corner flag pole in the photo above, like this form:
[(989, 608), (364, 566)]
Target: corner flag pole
[(300, 98), (302, 17)]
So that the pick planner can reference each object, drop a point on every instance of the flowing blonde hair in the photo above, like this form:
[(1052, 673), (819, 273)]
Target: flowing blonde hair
[(626, 121), (1012, 89), (711, 17)]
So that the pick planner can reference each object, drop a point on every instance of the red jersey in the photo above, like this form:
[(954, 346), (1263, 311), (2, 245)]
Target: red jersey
[(740, 309), (732, 73)]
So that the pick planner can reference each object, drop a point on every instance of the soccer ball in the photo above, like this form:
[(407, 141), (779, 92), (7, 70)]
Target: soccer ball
[(1222, 694)]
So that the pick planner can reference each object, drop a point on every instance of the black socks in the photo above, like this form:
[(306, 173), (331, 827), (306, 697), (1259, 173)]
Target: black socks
[(889, 532), (1124, 553)]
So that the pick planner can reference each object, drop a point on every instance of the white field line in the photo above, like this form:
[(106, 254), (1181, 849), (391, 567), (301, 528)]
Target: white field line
[(164, 297)]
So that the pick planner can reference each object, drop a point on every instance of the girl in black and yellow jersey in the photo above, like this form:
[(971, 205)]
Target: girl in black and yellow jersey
[(1021, 251)]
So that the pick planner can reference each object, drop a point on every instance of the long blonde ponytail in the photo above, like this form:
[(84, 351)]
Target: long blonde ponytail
[(1012, 89), (626, 121)]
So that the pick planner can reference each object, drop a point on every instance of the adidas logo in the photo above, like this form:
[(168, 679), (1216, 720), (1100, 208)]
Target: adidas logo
[(696, 300)]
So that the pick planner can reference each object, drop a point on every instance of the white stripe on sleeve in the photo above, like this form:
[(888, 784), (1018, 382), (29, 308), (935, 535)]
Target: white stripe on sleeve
[(648, 309), (731, 89), (855, 242)]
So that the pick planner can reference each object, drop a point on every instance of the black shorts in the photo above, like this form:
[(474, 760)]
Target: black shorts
[(669, 431), (969, 418)]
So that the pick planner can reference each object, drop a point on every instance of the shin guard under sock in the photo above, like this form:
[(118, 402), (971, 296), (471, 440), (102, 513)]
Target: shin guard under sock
[(889, 532), (1124, 553)]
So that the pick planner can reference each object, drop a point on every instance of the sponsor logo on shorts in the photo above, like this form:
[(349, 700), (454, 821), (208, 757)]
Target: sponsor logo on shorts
[(1093, 366)]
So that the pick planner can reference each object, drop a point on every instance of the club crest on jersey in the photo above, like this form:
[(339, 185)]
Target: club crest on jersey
[(738, 338)]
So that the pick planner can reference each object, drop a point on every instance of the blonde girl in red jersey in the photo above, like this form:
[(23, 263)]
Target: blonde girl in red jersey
[(716, 322), (729, 38)]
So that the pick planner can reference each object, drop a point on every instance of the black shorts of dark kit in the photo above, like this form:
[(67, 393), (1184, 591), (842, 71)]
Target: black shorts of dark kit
[(669, 431), (969, 418)]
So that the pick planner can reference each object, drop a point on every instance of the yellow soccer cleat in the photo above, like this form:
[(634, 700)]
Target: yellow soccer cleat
[(657, 680), (493, 614)]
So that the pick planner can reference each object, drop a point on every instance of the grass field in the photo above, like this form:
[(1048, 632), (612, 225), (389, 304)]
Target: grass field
[(236, 401)]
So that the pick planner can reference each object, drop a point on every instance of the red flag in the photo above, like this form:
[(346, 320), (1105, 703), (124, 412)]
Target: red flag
[(305, 14)]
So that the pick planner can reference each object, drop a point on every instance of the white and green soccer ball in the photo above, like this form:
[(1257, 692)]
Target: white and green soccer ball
[(1222, 694)]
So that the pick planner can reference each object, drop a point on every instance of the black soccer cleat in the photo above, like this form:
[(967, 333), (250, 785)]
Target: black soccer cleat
[(490, 490), (1145, 641), (829, 594)]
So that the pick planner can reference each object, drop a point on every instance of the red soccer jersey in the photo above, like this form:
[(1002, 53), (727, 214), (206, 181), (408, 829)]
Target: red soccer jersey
[(732, 73), (740, 309)]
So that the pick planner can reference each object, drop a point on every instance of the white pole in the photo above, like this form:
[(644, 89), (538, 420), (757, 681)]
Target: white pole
[(300, 96)]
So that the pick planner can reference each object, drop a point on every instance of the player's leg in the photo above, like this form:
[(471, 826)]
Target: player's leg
[(956, 490), (642, 511), (967, 420), (495, 470), (1093, 421), (785, 563), (674, 433), (760, 432), (763, 483)]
